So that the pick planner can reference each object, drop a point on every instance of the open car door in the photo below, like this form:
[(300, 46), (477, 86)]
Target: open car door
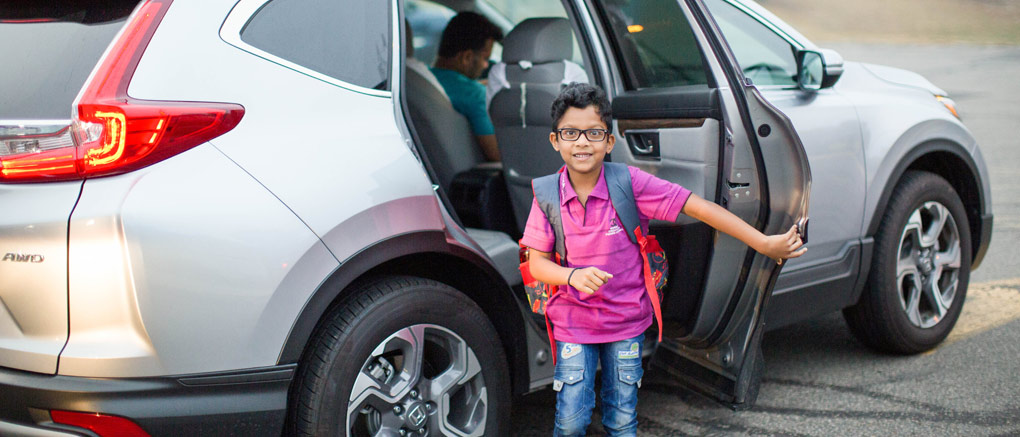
[(685, 113)]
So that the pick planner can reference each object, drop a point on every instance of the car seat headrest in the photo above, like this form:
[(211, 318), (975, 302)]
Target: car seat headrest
[(539, 40)]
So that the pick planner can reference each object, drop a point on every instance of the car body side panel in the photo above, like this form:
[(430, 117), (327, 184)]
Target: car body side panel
[(173, 270), (327, 152), (895, 119), (33, 273), (827, 124), (331, 155)]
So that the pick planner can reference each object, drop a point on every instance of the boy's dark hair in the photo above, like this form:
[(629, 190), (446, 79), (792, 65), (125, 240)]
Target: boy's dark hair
[(580, 96), (467, 31)]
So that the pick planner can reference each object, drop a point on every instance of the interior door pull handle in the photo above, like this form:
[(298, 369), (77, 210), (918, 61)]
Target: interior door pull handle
[(644, 148), (643, 144)]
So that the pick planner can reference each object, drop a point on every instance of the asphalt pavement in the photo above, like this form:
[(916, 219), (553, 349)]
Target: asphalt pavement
[(819, 381)]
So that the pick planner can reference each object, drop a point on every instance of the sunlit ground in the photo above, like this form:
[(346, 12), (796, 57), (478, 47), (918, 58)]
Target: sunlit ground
[(903, 21)]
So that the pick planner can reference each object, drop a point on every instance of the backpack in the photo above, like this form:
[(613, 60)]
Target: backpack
[(621, 194)]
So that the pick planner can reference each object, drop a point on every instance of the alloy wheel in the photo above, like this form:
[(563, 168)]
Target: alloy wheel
[(423, 380), (928, 264)]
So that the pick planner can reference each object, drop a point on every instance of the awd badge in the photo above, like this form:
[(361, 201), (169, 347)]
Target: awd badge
[(23, 258)]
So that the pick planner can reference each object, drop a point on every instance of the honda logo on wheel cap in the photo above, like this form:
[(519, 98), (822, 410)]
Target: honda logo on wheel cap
[(416, 415)]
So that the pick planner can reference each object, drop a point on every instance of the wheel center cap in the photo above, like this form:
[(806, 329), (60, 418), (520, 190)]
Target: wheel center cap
[(926, 263), (416, 415)]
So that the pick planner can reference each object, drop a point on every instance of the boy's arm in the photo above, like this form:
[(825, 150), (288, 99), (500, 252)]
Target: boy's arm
[(587, 280), (777, 247)]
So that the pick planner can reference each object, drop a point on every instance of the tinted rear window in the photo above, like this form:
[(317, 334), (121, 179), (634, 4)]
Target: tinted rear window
[(48, 51), (348, 40)]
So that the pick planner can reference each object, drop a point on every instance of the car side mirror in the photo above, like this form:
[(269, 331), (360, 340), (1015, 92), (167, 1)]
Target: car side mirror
[(810, 70), (818, 69)]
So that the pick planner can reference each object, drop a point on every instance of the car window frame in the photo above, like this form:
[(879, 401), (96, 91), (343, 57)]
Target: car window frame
[(245, 10), (797, 45)]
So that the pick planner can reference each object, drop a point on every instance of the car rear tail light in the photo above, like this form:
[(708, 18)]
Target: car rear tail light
[(33, 147), (101, 424), (111, 132)]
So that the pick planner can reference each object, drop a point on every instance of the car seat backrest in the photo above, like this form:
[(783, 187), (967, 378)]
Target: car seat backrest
[(534, 65), (445, 134)]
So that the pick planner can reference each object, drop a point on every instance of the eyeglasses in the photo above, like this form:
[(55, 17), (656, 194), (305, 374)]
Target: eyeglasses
[(570, 134)]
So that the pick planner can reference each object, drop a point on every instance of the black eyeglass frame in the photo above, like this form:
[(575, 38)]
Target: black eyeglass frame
[(605, 133)]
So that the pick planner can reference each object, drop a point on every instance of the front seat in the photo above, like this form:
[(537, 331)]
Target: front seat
[(533, 71)]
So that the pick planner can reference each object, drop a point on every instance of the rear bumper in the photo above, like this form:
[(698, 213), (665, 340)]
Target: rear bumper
[(986, 239), (249, 403)]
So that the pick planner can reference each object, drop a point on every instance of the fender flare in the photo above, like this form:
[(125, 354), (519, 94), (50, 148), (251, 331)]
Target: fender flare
[(979, 234), (362, 263)]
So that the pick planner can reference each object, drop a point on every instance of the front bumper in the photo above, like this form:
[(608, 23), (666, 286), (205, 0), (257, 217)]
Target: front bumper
[(249, 402)]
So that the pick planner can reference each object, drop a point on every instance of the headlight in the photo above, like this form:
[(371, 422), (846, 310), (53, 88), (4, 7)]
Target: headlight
[(949, 104)]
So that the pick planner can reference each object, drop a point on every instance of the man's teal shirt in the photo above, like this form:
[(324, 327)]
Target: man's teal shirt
[(468, 98)]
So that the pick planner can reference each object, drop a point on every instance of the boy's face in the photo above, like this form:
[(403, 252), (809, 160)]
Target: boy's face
[(582, 156)]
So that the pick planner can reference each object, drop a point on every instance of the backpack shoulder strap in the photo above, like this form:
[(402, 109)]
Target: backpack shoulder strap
[(547, 194), (621, 193)]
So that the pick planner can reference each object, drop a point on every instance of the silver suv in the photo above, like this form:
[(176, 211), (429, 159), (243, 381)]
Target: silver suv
[(247, 217)]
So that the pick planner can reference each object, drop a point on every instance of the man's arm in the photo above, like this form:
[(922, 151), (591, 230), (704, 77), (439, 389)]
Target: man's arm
[(777, 247), (490, 148)]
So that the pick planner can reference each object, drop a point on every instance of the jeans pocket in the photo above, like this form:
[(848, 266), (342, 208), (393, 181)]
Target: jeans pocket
[(631, 375), (572, 398), (568, 375)]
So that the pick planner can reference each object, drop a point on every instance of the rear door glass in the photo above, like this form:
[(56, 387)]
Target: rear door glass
[(48, 50), (654, 42), (348, 40)]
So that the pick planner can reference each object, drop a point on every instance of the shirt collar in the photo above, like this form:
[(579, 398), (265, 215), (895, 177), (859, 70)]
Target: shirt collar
[(567, 192)]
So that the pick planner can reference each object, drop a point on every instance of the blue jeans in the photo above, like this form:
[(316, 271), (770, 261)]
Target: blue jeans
[(575, 386)]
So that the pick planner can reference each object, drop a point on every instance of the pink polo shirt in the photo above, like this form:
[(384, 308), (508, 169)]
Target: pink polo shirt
[(594, 236)]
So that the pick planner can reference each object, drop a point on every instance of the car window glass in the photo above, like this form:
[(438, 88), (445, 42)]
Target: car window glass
[(48, 51), (349, 41), (654, 42), (427, 21), (765, 57), (519, 10)]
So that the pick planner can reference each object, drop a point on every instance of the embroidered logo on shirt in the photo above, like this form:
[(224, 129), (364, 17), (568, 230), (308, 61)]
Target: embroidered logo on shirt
[(570, 350), (614, 228), (632, 353)]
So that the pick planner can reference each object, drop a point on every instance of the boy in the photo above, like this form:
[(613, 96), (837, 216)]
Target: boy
[(605, 309)]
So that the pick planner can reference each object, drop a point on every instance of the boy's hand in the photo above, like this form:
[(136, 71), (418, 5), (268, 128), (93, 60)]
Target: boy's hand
[(589, 279), (780, 247)]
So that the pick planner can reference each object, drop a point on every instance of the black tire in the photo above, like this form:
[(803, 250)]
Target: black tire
[(381, 314), (884, 318)]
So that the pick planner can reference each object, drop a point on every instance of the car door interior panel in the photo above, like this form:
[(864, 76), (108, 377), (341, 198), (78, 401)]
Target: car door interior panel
[(687, 101)]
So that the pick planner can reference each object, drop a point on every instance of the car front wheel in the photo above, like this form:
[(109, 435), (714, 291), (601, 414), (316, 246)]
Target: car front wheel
[(920, 270), (403, 356)]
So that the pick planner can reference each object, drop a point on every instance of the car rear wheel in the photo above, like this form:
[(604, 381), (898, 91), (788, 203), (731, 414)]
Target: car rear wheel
[(403, 356), (920, 270)]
